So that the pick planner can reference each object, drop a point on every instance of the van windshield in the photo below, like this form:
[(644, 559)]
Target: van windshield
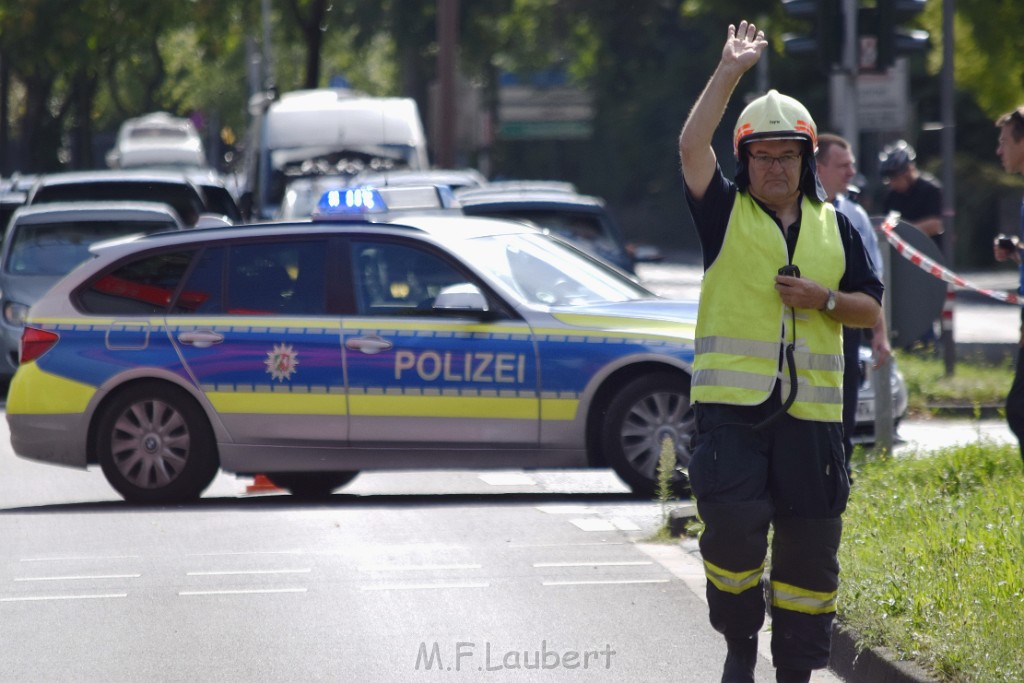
[(310, 162)]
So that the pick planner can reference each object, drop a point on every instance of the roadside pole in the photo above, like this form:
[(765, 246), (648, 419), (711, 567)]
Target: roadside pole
[(948, 180), (882, 376)]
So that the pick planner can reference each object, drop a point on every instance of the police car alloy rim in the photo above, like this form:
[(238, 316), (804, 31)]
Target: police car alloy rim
[(151, 443), (645, 413), (656, 418), (155, 444)]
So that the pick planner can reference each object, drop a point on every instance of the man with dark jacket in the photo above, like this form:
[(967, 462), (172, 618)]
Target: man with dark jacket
[(783, 273)]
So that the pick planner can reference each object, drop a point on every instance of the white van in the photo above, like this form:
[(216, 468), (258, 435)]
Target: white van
[(326, 132)]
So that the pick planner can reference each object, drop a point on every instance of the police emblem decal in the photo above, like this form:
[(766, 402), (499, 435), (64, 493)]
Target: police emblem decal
[(281, 362)]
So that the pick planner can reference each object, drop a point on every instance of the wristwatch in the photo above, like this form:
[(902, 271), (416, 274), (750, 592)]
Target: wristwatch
[(830, 302)]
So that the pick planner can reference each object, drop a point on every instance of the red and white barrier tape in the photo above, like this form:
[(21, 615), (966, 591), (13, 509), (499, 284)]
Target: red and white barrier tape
[(908, 252)]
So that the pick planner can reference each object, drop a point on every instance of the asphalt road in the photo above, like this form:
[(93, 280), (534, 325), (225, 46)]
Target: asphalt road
[(399, 577), (494, 576)]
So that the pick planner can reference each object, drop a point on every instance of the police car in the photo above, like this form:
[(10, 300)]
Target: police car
[(311, 351)]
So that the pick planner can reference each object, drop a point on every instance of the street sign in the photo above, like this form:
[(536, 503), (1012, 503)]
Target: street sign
[(545, 107), (882, 99), (547, 130)]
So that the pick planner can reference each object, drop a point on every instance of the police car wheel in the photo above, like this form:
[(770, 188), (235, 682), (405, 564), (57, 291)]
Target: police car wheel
[(644, 413), (155, 445), (311, 485)]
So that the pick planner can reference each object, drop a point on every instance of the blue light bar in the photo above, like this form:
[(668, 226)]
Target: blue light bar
[(349, 204)]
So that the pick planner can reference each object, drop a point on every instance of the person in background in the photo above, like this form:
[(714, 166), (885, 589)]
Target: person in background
[(916, 195), (836, 169), (1011, 153), (768, 371)]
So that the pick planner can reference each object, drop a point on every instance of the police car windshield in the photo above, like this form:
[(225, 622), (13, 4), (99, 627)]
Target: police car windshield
[(545, 270)]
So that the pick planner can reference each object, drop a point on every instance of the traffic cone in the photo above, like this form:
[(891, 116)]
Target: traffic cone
[(261, 484)]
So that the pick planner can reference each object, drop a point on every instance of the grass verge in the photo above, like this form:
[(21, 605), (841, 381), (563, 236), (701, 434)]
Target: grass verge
[(972, 384), (931, 557)]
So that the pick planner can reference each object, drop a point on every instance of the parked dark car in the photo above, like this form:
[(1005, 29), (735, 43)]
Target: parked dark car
[(582, 219), (174, 189)]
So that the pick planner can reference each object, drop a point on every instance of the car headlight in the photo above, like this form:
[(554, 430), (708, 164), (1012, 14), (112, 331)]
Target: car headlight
[(15, 313)]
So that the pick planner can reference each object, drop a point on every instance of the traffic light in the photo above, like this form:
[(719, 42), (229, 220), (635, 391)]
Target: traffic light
[(894, 40), (825, 42)]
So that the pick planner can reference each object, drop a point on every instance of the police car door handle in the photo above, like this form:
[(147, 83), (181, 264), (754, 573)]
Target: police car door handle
[(201, 339), (368, 345)]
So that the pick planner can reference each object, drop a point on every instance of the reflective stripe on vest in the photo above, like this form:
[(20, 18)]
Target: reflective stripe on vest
[(796, 599), (742, 325), (733, 582)]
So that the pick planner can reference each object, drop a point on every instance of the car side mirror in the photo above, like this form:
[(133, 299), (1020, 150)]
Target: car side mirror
[(461, 298)]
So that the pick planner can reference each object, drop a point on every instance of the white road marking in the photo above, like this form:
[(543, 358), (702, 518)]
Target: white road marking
[(507, 479), (618, 524), (623, 524), (30, 598), (640, 563), (81, 558), (566, 509), (602, 582), (566, 545), (593, 524), (245, 591), (419, 567), (77, 578), (246, 552), (241, 572), (422, 586)]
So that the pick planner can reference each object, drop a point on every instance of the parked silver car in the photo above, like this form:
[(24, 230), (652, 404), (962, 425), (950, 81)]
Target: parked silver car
[(45, 242)]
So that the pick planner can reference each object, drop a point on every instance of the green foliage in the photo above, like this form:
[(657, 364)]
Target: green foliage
[(988, 63), (930, 559), (972, 384), (82, 68)]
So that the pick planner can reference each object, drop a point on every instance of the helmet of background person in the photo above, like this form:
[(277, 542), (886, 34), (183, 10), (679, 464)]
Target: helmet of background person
[(895, 158)]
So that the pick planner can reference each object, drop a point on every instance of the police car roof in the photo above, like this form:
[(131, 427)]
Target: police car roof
[(441, 227), (367, 202), (456, 178), (526, 198)]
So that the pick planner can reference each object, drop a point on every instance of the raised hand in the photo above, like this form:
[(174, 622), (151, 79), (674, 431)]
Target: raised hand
[(743, 46)]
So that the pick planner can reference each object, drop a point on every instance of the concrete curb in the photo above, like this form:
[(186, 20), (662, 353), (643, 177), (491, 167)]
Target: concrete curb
[(855, 664)]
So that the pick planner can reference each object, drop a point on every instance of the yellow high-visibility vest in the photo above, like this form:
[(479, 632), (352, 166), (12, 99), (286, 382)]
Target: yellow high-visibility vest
[(743, 326)]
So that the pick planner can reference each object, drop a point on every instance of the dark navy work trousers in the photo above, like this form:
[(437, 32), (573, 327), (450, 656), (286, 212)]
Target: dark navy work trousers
[(791, 476)]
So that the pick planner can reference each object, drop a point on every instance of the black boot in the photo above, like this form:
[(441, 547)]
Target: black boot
[(740, 660), (793, 675)]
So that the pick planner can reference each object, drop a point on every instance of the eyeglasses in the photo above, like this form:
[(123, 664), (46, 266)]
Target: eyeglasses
[(786, 161)]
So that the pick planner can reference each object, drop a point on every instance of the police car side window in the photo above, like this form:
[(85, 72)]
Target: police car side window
[(141, 287), (258, 278), (276, 278), (203, 290), (399, 279)]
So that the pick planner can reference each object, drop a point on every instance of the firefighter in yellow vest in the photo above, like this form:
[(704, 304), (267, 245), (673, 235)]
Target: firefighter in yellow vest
[(783, 273)]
